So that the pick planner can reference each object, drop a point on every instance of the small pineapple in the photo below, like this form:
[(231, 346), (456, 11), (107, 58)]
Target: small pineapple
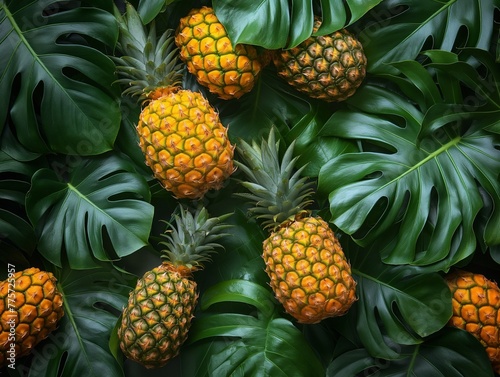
[(329, 67), (180, 134), (476, 309), (30, 309), (226, 70), (308, 270), (157, 318)]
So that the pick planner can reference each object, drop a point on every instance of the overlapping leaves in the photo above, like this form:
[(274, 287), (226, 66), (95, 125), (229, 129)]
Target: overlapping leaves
[(278, 23), (398, 305), (258, 344), (398, 30), (59, 85), (421, 193), (16, 233), (451, 353), (101, 205)]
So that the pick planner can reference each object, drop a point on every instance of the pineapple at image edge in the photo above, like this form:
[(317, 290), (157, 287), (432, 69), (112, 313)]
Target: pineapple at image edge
[(476, 309), (307, 268), (38, 307), (226, 70), (329, 67), (156, 321), (183, 141)]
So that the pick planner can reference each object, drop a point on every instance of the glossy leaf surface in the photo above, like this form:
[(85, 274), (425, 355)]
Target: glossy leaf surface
[(65, 95), (100, 200)]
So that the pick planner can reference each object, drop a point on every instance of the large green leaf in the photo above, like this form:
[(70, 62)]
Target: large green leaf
[(16, 169), (93, 301), (259, 343), (483, 104), (101, 206), (278, 23), (400, 29), (398, 305), (425, 194), (58, 83), (451, 353), (458, 91)]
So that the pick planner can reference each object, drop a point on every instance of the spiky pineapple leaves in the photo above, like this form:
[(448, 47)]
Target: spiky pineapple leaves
[(399, 30), (55, 83), (278, 23), (420, 190), (273, 104), (93, 301), (99, 206), (259, 342), (450, 353)]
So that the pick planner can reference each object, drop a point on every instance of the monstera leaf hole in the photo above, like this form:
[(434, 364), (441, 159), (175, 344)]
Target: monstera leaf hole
[(77, 75), (62, 364), (99, 305), (373, 217)]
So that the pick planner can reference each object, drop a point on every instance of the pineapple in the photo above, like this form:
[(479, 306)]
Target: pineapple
[(226, 70), (308, 271), (476, 309), (31, 307), (157, 318), (329, 67), (180, 134)]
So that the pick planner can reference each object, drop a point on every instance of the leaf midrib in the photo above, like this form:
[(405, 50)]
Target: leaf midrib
[(36, 59), (93, 205), (448, 4), (70, 316), (430, 157)]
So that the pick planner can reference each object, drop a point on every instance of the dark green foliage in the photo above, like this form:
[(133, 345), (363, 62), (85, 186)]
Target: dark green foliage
[(406, 171)]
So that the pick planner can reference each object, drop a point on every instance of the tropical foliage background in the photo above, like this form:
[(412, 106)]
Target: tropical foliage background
[(407, 173)]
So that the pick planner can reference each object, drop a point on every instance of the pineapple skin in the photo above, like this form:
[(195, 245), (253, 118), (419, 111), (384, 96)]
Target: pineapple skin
[(31, 300), (476, 309), (226, 70), (156, 321), (185, 144), (308, 270), (329, 67)]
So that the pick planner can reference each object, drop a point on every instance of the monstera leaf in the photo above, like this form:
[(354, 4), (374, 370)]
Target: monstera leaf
[(398, 305), (149, 9), (260, 343), (399, 30), (14, 184), (17, 166), (59, 85), (93, 301), (278, 23), (451, 353), (418, 195), (100, 204)]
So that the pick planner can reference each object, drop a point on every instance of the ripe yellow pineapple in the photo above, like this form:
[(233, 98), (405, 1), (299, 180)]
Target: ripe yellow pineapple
[(180, 134), (308, 270), (157, 318), (329, 67), (30, 309), (226, 70), (476, 309)]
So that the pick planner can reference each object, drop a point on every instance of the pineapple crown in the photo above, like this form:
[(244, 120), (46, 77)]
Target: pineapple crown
[(148, 63), (278, 192), (192, 241)]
